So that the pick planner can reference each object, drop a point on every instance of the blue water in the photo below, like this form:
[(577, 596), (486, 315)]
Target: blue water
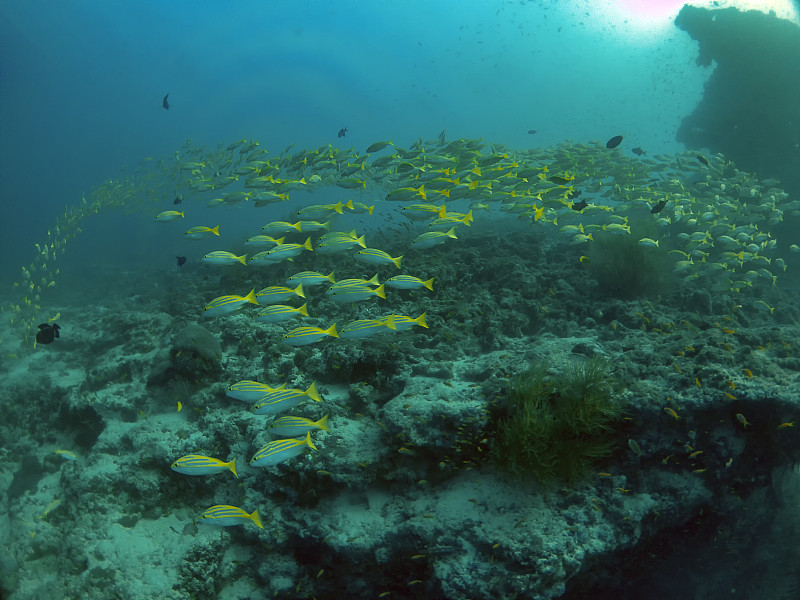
[(82, 84)]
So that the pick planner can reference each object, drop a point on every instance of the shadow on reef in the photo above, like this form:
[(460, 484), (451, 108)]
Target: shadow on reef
[(739, 548)]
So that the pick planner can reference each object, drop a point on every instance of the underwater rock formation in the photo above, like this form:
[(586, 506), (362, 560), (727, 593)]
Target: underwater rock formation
[(749, 110)]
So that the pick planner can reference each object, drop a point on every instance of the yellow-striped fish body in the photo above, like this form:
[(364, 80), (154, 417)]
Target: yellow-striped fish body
[(222, 257), (374, 256), (356, 293), (168, 215), (279, 451), (309, 279), (201, 232), (409, 282), (250, 391), (276, 293), (224, 515), (281, 227), (227, 304), (403, 323), (278, 401), (278, 313), (302, 336), (364, 328), (197, 464), (430, 239), (291, 426), (287, 251), (262, 259)]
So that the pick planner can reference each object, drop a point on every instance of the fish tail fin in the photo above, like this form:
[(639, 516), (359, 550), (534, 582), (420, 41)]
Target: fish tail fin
[(256, 519), (303, 310), (299, 290), (308, 441), (323, 424), (331, 331), (421, 321), (428, 284), (251, 297), (397, 260), (312, 393), (232, 467), (215, 230), (389, 322)]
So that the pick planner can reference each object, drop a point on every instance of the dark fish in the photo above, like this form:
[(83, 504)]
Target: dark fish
[(181, 260), (559, 180), (658, 207), (47, 333), (702, 159), (573, 194), (579, 206), (164, 102), (638, 151), (342, 132), (178, 199), (531, 131), (614, 141)]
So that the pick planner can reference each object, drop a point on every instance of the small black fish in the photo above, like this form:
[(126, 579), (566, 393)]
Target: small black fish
[(164, 102), (47, 333), (658, 207), (614, 141), (178, 199), (531, 131), (702, 159), (181, 260), (638, 151), (342, 132), (579, 206), (559, 180)]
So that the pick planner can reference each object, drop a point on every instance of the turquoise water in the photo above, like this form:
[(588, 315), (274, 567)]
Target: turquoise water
[(588, 384)]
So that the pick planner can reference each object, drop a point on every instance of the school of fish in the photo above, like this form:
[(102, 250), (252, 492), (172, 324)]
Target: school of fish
[(715, 221)]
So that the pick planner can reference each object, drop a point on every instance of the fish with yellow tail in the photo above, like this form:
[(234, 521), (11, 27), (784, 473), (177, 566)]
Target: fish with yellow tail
[(374, 256), (404, 323), (197, 464), (430, 239), (201, 232), (278, 313), (250, 391), (224, 305), (168, 215), (280, 400), (303, 336), (222, 257), (224, 515), (279, 451), (409, 282), (291, 426)]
